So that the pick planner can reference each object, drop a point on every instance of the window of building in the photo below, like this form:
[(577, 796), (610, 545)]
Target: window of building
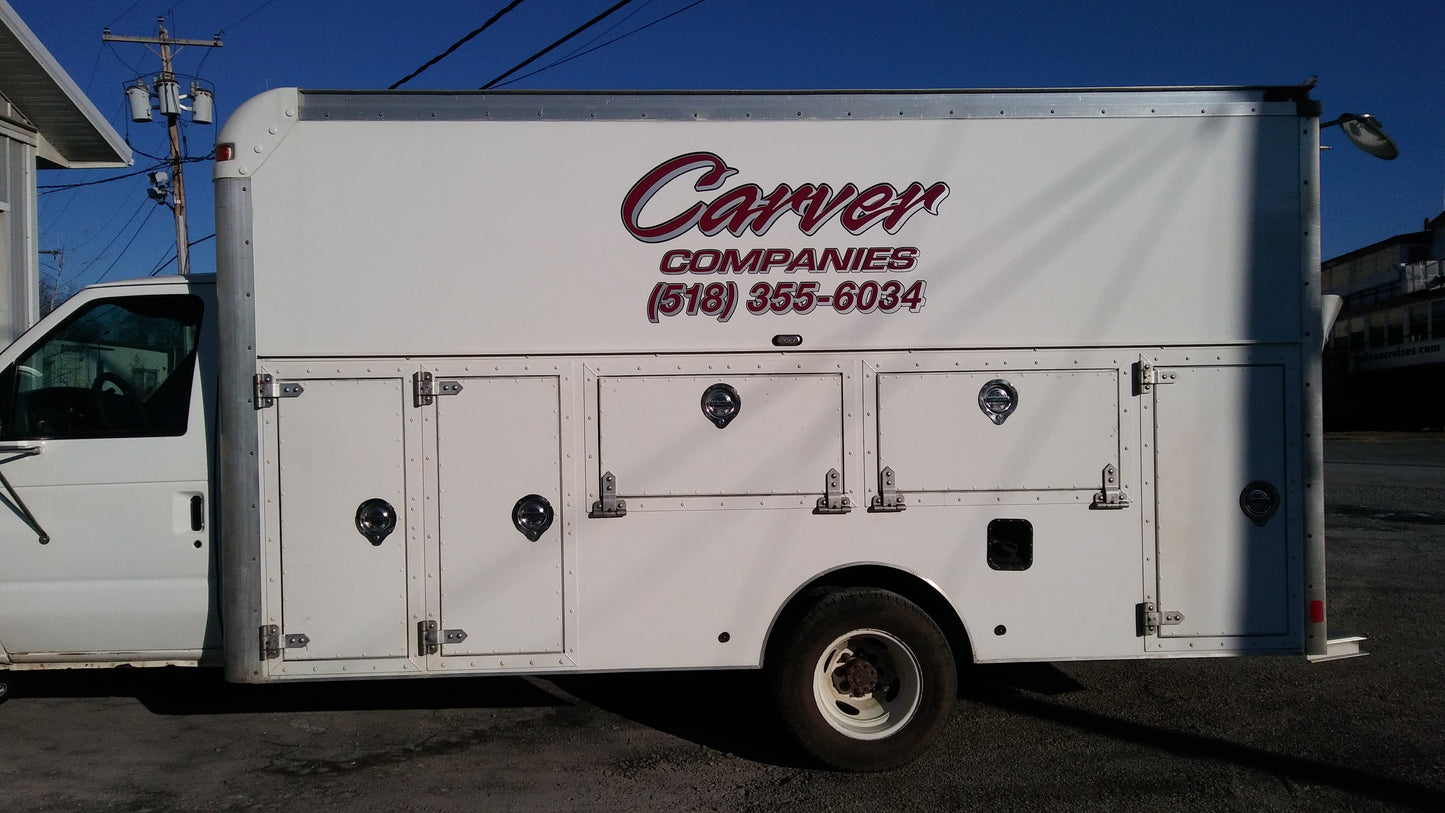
[(1376, 329), (1418, 326)]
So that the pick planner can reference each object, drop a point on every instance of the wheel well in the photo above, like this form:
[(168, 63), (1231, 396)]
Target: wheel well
[(907, 585)]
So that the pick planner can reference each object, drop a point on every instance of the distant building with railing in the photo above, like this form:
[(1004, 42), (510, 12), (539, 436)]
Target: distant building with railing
[(1385, 357)]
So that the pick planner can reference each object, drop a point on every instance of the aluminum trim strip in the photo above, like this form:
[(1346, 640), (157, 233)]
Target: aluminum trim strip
[(238, 442), (337, 105)]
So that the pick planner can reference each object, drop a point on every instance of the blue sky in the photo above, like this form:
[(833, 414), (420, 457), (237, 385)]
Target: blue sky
[(1385, 58)]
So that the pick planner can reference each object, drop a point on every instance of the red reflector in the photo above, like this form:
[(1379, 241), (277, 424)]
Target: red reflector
[(225, 152), (1317, 612)]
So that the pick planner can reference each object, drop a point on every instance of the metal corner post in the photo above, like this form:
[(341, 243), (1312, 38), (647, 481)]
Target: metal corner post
[(239, 469), (1312, 363)]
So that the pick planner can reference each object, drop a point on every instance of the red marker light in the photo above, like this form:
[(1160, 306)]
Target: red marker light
[(1317, 612), (225, 152)]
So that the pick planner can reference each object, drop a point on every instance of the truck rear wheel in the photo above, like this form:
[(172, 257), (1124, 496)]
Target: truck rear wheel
[(864, 679)]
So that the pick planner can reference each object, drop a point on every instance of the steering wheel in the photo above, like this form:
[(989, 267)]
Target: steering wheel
[(120, 407)]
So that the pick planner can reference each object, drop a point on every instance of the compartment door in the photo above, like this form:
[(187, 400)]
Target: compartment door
[(342, 446), (784, 436), (1223, 550), (935, 434), (498, 478)]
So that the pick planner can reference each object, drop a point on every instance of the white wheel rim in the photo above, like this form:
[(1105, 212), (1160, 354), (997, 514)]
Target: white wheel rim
[(867, 684)]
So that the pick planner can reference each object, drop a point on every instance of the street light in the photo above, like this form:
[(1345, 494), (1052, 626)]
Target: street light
[(1365, 132)]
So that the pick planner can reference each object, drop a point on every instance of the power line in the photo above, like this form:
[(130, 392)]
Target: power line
[(95, 66), (123, 13), (454, 46), (49, 188), (167, 256), (57, 216), (142, 153), (243, 19), (171, 255), (133, 69), (580, 54), (204, 57), (123, 249), (95, 235), (600, 17), (118, 233), (64, 186), (621, 22)]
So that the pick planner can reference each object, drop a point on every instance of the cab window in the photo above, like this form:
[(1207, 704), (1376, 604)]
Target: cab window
[(117, 368)]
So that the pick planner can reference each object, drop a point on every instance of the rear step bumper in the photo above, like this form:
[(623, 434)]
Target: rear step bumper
[(1347, 646)]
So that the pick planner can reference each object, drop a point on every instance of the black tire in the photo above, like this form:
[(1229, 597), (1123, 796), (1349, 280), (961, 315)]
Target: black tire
[(863, 678)]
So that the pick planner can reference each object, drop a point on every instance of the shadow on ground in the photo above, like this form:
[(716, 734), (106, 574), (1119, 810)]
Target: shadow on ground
[(1025, 690), (184, 691), (700, 707)]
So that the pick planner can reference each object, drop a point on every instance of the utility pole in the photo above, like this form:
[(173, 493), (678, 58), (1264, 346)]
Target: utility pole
[(168, 94), (59, 255)]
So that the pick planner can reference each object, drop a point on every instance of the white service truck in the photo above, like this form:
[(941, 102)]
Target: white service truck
[(853, 387)]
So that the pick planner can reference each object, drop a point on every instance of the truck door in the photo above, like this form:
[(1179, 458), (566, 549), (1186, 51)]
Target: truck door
[(500, 515), (345, 523), (1224, 506), (105, 542)]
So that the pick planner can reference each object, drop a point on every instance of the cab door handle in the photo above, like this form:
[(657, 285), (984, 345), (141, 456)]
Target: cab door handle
[(198, 513)]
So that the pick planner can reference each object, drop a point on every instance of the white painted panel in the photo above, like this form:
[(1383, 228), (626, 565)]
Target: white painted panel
[(341, 444), (661, 587), (1219, 429), (656, 440), (1062, 433), (123, 570), (1055, 232), (498, 441)]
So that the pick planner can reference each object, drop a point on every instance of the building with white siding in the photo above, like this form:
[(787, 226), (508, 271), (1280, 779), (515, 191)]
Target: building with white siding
[(46, 122)]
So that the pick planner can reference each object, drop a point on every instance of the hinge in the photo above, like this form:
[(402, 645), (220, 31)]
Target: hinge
[(608, 507), (833, 501), (426, 389), (1151, 619), (1147, 376), (430, 637), (1111, 497), (268, 389), (272, 642), (887, 500)]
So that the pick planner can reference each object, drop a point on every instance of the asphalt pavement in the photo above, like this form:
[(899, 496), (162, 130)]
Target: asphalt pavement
[(1251, 734)]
